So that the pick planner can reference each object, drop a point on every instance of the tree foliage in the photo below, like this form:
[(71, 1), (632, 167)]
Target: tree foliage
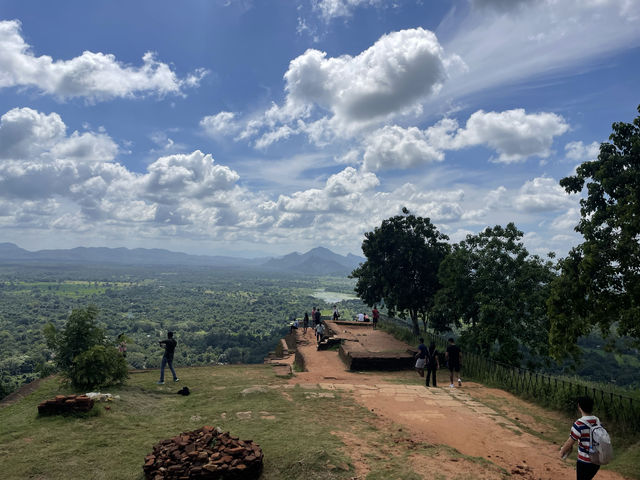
[(403, 256), (496, 291), (83, 354), (99, 366), (599, 284)]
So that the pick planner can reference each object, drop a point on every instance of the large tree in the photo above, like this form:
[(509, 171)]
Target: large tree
[(495, 291), (403, 256), (599, 284)]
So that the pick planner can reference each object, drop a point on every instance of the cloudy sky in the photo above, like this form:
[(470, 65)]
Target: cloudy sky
[(252, 127)]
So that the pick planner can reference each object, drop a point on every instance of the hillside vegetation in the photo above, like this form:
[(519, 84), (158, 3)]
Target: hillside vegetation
[(219, 315)]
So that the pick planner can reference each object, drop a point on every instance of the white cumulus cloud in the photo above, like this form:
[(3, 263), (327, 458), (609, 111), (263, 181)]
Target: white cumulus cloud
[(541, 194), (329, 97), (397, 147), (514, 134), (581, 152), (94, 76)]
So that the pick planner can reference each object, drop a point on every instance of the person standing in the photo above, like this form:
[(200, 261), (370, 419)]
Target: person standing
[(433, 364), (167, 359), (313, 317), (319, 332), (375, 315), (336, 314), (305, 322), (421, 358), (454, 361), (318, 317), (581, 433)]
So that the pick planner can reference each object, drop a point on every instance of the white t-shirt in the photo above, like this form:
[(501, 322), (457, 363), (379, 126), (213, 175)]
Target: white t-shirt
[(361, 317)]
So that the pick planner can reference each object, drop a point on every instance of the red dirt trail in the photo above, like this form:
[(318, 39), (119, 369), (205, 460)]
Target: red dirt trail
[(444, 416)]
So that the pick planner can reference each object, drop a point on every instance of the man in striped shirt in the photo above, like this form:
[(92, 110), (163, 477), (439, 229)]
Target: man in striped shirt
[(581, 433)]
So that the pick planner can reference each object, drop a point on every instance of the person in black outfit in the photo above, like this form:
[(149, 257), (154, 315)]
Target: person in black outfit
[(169, 347), (454, 360), (433, 364)]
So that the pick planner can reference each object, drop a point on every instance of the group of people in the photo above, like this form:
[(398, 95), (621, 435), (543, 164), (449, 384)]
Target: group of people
[(427, 359), (375, 316), (581, 431)]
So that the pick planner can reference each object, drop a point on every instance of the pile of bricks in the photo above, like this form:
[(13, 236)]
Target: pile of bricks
[(65, 404), (206, 453)]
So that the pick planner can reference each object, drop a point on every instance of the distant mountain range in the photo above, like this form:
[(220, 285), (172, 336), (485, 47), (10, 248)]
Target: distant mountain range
[(318, 261)]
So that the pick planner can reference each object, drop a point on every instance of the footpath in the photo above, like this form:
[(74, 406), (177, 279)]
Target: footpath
[(462, 417)]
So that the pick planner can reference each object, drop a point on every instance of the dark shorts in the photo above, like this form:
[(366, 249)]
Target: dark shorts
[(586, 471), (454, 367)]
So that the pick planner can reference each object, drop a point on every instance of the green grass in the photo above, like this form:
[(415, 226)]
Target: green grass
[(112, 444), (300, 432)]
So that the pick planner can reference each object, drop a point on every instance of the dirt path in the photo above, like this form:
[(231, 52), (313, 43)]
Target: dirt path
[(444, 416)]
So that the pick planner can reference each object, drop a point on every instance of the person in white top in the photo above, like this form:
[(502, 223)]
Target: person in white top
[(361, 317)]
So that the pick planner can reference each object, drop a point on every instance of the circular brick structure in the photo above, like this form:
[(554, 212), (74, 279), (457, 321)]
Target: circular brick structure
[(206, 453)]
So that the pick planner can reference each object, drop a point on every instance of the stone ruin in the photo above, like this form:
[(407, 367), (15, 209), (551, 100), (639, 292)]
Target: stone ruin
[(65, 404), (207, 453)]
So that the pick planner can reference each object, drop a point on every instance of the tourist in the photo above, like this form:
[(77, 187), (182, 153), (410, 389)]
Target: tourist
[(319, 332), (433, 363), (336, 314), (167, 359), (361, 317), (421, 358), (305, 322), (318, 317), (376, 316), (293, 325), (581, 433), (454, 361)]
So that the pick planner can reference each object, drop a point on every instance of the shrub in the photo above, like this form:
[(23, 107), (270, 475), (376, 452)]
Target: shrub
[(98, 367), (82, 352)]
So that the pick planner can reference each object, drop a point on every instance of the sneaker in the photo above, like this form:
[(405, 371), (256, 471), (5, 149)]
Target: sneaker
[(177, 380), (452, 386), (160, 383), (459, 382)]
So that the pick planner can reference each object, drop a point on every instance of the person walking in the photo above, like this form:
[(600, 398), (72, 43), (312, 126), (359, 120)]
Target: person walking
[(581, 433), (318, 317), (167, 359), (421, 358), (454, 361), (433, 364)]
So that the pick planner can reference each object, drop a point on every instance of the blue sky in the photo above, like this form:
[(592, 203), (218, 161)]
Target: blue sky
[(261, 127)]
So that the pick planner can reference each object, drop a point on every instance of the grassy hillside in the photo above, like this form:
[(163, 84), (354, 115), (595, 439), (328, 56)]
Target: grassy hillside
[(305, 433), (293, 426)]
